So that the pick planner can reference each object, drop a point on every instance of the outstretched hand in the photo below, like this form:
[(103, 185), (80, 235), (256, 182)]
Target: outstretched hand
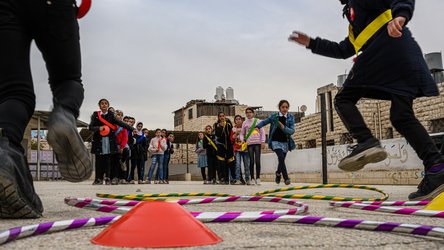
[(300, 38), (395, 26)]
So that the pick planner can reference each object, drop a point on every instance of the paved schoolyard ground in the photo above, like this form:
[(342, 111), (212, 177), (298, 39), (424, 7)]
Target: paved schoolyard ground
[(235, 235)]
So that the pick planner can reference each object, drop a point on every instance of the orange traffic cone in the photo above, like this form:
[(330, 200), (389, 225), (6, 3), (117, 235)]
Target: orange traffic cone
[(156, 225)]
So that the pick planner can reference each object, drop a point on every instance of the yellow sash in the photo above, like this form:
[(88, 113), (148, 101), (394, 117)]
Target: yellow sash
[(369, 31), (211, 142)]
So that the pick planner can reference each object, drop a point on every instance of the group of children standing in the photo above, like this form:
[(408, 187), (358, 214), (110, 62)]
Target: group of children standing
[(224, 147), (121, 150)]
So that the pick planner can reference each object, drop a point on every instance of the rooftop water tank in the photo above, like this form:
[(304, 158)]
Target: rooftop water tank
[(230, 94), (341, 80), (219, 93)]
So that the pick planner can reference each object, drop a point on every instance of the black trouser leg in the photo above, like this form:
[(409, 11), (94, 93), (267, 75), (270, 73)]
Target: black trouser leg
[(115, 166), (17, 99), (252, 160), (202, 171), (282, 168), (257, 159), (345, 105), (132, 170), (211, 160), (232, 167), (222, 171), (403, 119), (57, 37), (101, 162)]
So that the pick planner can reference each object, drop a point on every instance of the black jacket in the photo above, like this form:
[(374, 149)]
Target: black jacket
[(211, 151), (393, 65), (223, 140), (139, 150), (95, 125)]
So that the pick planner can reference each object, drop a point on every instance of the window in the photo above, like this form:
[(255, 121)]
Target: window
[(190, 114), (389, 133), (346, 138), (310, 144), (437, 126), (178, 118)]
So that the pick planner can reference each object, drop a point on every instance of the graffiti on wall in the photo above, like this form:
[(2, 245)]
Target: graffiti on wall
[(397, 154)]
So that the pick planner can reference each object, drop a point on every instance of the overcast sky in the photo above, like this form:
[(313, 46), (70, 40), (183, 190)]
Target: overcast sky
[(150, 57)]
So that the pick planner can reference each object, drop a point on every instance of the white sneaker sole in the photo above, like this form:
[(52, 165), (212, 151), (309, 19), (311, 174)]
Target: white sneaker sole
[(357, 162)]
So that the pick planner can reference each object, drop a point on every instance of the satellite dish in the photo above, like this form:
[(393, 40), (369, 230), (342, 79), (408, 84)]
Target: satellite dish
[(303, 108), (216, 97)]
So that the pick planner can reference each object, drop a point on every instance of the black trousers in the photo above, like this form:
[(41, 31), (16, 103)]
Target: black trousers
[(202, 171), (402, 118), (282, 168), (212, 163), (255, 158), (115, 166), (54, 28), (103, 166)]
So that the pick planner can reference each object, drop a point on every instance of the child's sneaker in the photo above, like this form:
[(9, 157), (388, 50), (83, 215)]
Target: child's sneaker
[(287, 182), (277, 179), (98, 182), (258, 181), (431, 186), (369, 151), (114, 181)]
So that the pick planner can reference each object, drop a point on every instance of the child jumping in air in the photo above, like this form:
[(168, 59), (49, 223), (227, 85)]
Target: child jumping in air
[(390, 66)]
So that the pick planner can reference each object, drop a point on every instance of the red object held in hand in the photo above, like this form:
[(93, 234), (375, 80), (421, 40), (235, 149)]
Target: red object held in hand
[(84, 8), (105, 131)]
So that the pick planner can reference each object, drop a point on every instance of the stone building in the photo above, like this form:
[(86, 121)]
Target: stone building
[(197, 114)]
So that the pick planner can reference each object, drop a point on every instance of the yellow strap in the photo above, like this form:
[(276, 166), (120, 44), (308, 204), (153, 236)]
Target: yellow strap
[(369, 31), (211, 142)]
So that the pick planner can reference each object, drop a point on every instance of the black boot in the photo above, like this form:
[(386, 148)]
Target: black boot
[(18, 198), (72, 156), (430, 187), (277, 179)]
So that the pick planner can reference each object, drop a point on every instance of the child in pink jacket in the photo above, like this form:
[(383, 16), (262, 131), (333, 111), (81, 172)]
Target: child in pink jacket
[(255, 139)]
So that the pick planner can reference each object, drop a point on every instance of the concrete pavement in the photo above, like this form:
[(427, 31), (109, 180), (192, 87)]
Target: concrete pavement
[(235, 235)]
